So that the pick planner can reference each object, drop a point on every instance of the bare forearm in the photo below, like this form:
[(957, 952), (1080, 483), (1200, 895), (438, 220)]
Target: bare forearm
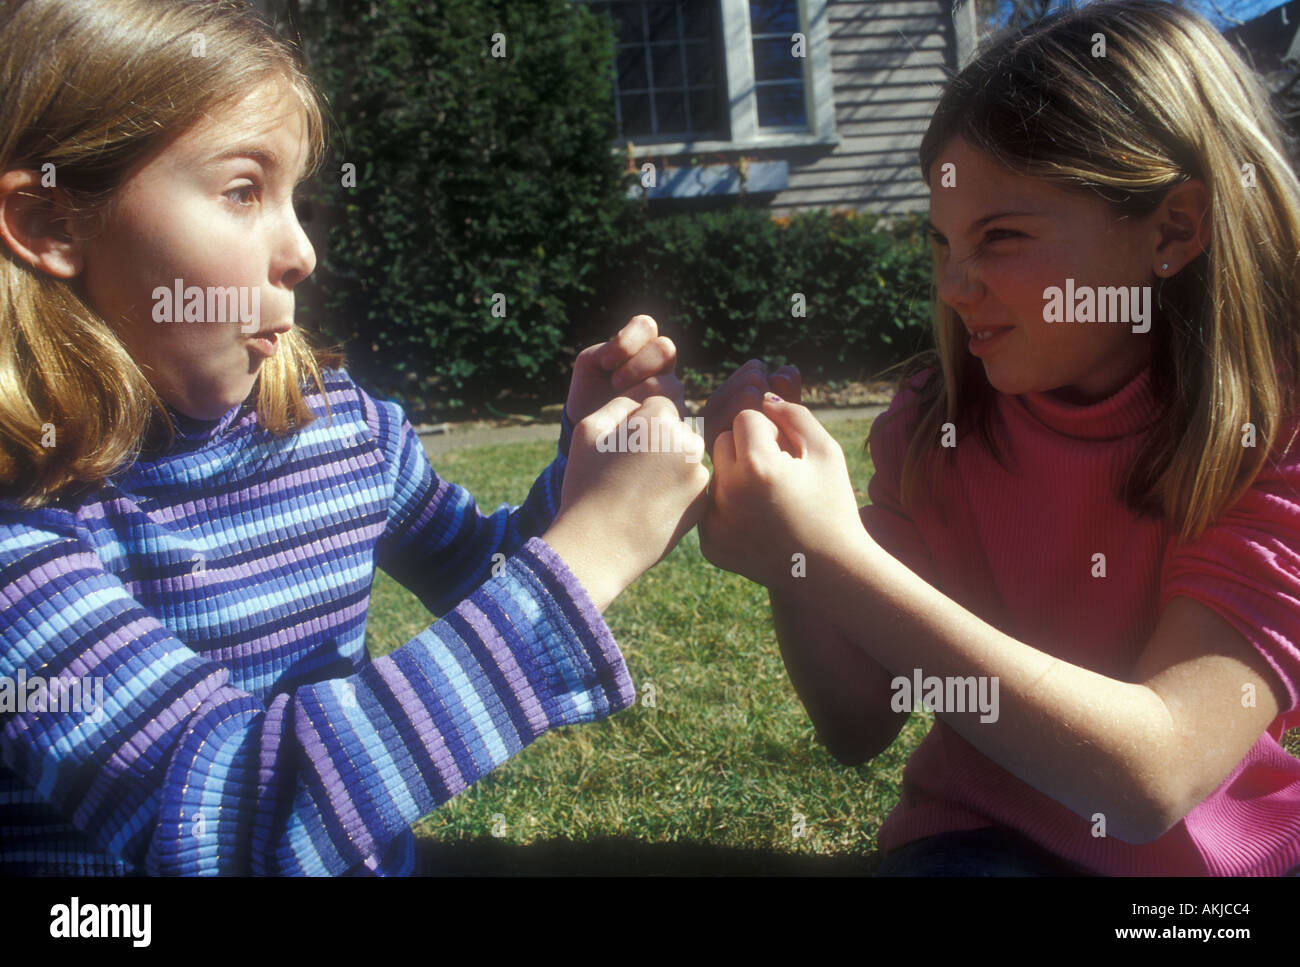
[(585, 558), (844, 690), (1090, 742)]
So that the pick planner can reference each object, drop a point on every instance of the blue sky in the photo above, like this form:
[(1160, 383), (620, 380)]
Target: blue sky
[(1239, 9)]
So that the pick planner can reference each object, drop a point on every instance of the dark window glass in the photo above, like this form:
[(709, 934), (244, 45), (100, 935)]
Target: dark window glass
[(698, 21), (636, 114), (781, 105), (774, 16), (632, 75), (662, 19), (671, 109), (700, 65), (667, 61), (627, 23), (779, 76), (705, 112), (774, 62), (670, 81)]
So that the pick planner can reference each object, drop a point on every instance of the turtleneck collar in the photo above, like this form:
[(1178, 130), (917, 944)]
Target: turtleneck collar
[(1129, 410), (191, 433), (198, 432)]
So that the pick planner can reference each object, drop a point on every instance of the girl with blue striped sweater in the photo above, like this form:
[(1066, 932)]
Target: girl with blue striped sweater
[(191, 511)]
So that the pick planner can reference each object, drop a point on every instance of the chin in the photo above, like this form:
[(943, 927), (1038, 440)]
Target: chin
[(1008, 384), (218, 406)]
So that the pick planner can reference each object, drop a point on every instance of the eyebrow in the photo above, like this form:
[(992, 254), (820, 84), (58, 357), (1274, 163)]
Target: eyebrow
[(263, 155), (983, 220)]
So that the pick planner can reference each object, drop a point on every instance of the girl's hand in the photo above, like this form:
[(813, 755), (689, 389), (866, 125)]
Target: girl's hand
[(621, 512), (769, 503), (743, 390), (637, 363)]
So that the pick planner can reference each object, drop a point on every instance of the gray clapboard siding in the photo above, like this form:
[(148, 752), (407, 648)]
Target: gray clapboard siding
[(889, 61)]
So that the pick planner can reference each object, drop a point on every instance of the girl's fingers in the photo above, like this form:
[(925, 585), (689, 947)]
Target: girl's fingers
[(724, 455), (609, 416), (799, 425), (629, 341), (669, 386), (756, 437), (787, 383), (655, 357), (590, 358), (752, 373), (720, 413)]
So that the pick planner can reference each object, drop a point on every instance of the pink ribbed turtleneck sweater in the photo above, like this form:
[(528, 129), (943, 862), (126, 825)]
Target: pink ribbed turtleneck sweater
[(1016, 548)]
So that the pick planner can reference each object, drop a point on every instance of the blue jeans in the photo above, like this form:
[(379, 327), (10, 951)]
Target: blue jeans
[(991, 851)]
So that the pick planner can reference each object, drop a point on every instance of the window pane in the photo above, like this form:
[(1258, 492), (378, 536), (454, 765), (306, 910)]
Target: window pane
[(700, 64), (636, 114), (667, 61), (663, 20), (632, 74), (704, 111), (773, 61), (774, 16), (781, 105), (697, 19), (627, 21), (669, 88), (672, 112)]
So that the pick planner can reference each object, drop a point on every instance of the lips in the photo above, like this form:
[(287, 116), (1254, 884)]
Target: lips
[(267, 341), (986, 339)]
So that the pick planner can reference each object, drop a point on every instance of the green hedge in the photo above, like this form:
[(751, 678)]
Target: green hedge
[(725, 285), (479, 175), (475, 175)]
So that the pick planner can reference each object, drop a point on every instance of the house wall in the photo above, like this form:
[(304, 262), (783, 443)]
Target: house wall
[(889, 61)]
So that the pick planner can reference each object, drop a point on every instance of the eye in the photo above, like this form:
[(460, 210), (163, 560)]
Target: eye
[(989, 236), (245, 195)]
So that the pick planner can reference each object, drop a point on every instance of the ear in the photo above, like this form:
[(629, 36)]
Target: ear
[(1183, 221), (35, 223)]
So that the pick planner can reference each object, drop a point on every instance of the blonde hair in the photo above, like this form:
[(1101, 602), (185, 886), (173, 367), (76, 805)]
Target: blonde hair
[(1168, 102), (94, 87)]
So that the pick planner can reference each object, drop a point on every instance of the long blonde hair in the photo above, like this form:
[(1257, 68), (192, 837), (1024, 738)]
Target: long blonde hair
[(94, 87), (1169, 101)]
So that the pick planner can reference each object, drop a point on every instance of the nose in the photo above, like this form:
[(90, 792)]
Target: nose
[(297, 256), (954, 282)]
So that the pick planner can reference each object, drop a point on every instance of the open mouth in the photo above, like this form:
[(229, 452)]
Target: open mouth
[(266, 344), (985, 339)]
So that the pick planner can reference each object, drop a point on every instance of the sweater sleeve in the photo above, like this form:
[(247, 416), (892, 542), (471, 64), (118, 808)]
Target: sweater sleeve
[(437, 543), (1246, 567), (884, 517), (180, 772)]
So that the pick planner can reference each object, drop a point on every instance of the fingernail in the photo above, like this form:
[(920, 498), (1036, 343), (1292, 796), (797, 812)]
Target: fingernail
[(772, 398)]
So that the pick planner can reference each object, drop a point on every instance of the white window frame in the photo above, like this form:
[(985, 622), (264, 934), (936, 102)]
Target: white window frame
[(742, 94)]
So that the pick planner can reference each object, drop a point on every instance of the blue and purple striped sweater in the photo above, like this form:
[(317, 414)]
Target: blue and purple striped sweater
[(220, 592)]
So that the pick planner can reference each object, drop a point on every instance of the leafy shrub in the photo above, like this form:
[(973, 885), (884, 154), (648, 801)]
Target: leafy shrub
[(724, 285), (478, 175), (475, 175)]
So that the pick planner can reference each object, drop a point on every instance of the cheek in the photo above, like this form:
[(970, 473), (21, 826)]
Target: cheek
[(154, 250)]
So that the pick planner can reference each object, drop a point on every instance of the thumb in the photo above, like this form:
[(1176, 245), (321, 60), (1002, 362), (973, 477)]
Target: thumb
[(798, 424)]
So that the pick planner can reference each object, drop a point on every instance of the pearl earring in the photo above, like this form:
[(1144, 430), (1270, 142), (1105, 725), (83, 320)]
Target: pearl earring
[(1164, 267)]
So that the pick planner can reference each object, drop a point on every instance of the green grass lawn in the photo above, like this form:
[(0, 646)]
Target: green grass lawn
[(726, 757)]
